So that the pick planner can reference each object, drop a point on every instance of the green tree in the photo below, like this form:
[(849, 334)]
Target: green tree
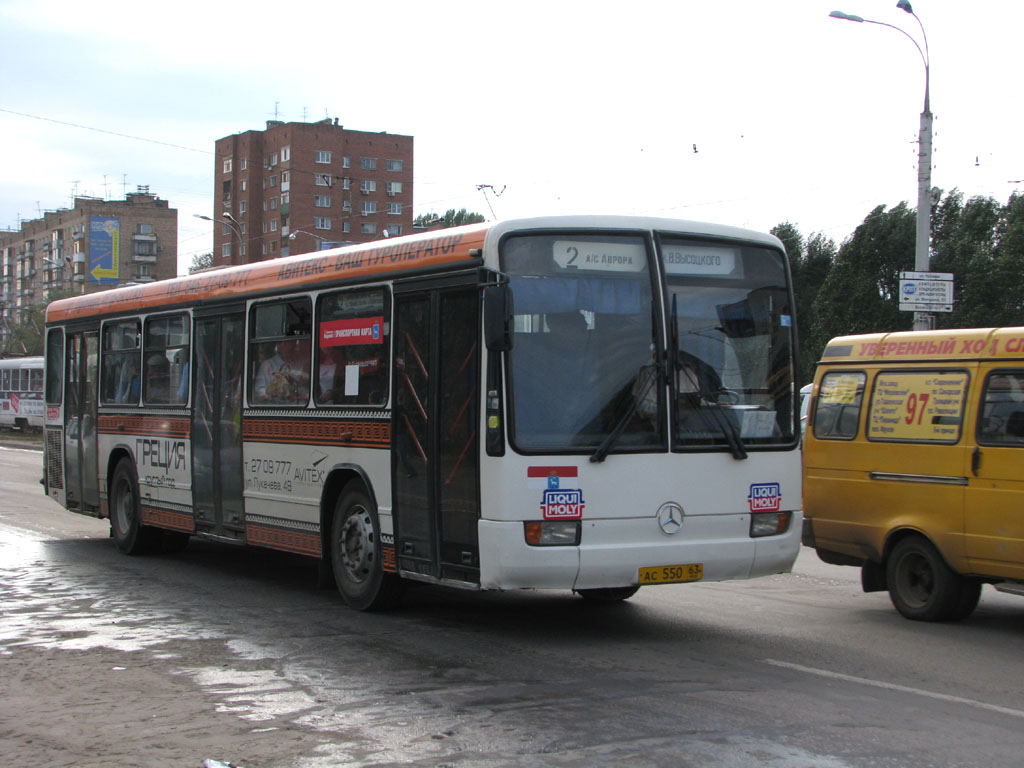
[(200, 262), (860, 294), (451, 218)]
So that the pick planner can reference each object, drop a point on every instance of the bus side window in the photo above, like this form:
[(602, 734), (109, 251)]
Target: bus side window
[(353, 347), (837, 409), (1002, 409), (280, 352), (166, 363), (121, 383)]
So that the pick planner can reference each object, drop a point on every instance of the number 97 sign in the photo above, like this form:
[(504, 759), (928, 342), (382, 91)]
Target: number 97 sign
[(924, 407)]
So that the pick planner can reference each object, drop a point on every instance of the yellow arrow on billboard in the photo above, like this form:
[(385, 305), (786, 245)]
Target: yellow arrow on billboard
[(99, 272)]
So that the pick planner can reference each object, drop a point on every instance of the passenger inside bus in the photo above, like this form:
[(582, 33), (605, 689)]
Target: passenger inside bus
[(158, 370), (284, 376)]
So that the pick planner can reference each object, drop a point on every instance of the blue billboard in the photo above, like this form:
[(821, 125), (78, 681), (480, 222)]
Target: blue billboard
[(104, 249)]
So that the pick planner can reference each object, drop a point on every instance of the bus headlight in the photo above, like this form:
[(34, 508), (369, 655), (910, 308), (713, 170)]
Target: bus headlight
[(769, 523), (552, 533)]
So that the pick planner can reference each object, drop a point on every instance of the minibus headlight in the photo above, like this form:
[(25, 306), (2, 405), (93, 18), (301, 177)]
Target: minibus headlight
[(552, 533), (769, 523)]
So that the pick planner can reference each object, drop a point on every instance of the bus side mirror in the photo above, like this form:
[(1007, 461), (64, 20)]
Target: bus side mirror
[(498, 318)]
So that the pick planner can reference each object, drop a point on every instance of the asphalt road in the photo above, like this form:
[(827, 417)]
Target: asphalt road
[(234, 655)]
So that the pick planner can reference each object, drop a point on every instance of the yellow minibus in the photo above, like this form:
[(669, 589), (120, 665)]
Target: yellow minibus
[(914, 465)]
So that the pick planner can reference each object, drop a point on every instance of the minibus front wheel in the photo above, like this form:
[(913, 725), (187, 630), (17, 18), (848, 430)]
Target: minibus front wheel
[(923, 588)]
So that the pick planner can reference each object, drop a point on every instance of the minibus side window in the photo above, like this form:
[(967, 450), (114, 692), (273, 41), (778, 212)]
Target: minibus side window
[(1002, 409), (837, 409)]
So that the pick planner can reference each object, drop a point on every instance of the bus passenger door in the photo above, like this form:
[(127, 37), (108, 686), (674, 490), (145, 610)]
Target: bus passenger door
[(435, 419), (217, 426), (80, 454)]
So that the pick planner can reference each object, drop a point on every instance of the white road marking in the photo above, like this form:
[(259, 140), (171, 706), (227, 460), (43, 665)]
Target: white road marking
[(901, 688)]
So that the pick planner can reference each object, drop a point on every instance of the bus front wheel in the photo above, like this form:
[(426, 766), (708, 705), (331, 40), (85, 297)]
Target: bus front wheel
[(922, 587), (131, 536), (356, 554)]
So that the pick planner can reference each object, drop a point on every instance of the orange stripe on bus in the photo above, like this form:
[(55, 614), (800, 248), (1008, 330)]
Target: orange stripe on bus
[(381, 258)]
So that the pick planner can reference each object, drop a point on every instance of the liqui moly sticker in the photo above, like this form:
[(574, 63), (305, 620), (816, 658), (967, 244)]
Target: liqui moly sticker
[(765, 497), (564, 504), (540, 478)]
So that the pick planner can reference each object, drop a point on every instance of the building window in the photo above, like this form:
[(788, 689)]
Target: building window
[(346, 205), (394, 209), (273, 225), (394, 230), (273, 203), (346, 227), (346, 162), (227, 165), (368, 163), (285, 198), (243, 163), (346, 183), (368, 228), (241, 207), (366, 186), (286, 176), (394, 188), (271, 159), (273, 180), (368, 207), (142, 270), (264, 227), (322, 201), (322, 179), (322, 156), (225, 250), (322, 222), (286, 154), (243, 185), (394, 165)]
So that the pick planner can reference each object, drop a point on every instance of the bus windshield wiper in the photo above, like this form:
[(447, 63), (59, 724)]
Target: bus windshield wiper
[(656, 375)]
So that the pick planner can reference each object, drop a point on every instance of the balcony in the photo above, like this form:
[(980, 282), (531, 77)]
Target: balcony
[(77, 233), (142, 258), (144, 238)]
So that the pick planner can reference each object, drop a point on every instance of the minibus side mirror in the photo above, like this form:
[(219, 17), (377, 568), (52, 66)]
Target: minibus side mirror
[(498, 316)]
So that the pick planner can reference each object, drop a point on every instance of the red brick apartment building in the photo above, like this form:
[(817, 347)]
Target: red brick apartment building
[(96, 245), (300, 187)]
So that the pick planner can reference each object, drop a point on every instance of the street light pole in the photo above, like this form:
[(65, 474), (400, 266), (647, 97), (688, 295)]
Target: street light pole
[(229, 220), (922, 242)]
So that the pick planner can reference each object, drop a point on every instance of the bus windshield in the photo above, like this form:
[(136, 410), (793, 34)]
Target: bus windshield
[(588, 373), (731, 344), (584, 335)]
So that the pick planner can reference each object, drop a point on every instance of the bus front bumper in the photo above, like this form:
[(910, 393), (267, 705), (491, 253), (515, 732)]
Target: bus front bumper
[(612, 552)]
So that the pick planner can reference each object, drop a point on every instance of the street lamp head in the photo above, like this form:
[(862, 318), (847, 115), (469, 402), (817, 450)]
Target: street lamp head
[(904, 5), (846, 17)]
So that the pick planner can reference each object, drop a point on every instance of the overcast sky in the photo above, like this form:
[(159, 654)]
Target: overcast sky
[(745, 112)]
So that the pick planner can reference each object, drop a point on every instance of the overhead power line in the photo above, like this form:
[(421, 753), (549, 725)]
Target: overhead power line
[(103, 130)]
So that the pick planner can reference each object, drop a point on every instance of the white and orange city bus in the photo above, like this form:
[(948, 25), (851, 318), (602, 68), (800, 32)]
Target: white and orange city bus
[(584, 403), (21, 393)]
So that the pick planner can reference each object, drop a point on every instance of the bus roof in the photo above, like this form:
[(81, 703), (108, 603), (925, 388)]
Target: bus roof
[(383, 258), (912, 346)]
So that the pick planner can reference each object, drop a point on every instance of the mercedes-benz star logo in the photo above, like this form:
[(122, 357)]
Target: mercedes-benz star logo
[(670, 518)]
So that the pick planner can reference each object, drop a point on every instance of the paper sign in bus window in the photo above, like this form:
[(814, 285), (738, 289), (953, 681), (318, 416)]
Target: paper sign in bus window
[(925, 407)]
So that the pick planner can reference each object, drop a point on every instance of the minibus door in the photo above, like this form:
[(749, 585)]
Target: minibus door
[(217, 426), (80, 465), (435, 461), (994, 514)]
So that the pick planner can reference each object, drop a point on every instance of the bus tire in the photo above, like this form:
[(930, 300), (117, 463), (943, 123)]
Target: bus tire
[(922, 587), (607, 594), (131, 536), (356, 553)]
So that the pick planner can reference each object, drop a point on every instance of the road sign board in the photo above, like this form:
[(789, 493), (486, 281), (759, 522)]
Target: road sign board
[(926, 291)]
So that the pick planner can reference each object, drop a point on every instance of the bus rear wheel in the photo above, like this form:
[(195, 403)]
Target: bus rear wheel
[(356, 554), (131, 536), (923, 588)]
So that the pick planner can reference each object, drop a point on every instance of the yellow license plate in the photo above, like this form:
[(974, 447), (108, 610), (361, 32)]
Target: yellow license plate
[(671, 574)]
